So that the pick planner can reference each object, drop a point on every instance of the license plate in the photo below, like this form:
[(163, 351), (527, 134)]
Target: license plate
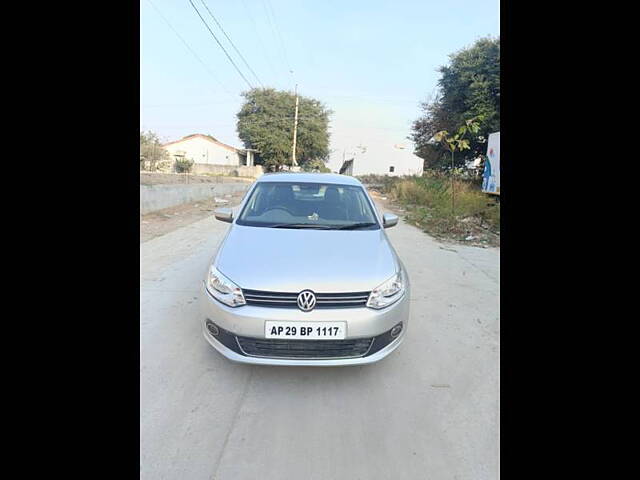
[(306, 330)]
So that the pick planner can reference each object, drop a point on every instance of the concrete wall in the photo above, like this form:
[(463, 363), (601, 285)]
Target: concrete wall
[(157, 197), (242, 171), (170, 178)]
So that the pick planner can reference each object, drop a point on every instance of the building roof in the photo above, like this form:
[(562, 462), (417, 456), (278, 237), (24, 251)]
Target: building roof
[(208, 138), (309, 178)]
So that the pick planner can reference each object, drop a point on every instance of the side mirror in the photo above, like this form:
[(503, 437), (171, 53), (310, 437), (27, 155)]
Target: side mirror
[(389, 220), (224, 214)]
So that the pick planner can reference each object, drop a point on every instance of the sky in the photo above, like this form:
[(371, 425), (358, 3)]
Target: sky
[(371, 62)]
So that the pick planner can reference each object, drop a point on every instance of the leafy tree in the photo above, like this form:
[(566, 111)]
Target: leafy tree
[(265, 123), (469, 88), (457, 143), (152, 154)]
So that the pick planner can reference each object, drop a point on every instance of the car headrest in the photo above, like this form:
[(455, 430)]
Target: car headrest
[(331, 195), (283, 193)]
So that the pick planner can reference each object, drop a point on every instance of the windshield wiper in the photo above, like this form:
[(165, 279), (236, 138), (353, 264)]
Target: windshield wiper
[(301, 225), (354, 226)]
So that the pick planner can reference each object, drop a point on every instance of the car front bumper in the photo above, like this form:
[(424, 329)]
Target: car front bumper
[(248, 321)]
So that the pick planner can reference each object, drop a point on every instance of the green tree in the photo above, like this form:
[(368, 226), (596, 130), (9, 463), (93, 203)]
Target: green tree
[(457, 143), (265, 123), (183, 165), (152, 154), (468, 88)]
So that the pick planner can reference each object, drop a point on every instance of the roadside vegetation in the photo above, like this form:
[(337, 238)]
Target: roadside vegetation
[(426, 203)]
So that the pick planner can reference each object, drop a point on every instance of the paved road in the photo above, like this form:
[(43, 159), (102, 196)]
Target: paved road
[(428, 411)]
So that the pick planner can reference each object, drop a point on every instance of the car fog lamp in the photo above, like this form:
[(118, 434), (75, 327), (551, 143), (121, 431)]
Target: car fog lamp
[(213, 328), (395, 331)]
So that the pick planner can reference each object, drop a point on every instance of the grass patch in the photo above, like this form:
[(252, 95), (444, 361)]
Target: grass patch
[(427, 200)]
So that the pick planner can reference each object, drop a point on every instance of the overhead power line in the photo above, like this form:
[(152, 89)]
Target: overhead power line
[(283, 61), (219, 44), (191, 50), (282, 44), (259, 38), (232, 44)]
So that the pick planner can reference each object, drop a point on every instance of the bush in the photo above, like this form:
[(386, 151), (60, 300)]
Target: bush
[(412, 193), (428, 202), (315, 166), (183, 165)]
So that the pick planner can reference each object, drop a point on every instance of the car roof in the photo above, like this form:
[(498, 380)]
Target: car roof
[(310, 178)]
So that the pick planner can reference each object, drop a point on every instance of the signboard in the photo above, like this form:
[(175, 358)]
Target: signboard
[(491, 177)]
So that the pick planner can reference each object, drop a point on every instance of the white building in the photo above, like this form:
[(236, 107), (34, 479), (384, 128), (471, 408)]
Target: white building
[(206, 150), (383, 159)]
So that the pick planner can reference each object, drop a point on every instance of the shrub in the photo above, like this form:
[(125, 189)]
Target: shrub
[(183, 165), (428, 201), (412, 193)]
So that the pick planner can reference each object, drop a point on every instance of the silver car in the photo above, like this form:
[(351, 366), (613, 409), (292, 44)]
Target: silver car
[(305, 276)]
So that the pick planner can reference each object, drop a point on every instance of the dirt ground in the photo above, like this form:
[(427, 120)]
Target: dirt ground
[(158, 223), (149, 178), (477, 235)]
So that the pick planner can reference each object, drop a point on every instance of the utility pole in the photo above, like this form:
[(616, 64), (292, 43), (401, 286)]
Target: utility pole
[(295, 132)]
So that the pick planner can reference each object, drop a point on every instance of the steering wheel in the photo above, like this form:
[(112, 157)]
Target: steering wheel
[(281, 208)]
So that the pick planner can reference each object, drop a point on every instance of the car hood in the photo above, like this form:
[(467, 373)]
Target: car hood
[(289, 260)]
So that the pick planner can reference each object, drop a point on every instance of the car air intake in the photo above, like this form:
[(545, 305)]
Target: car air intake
[(312, 349), (290, 300)]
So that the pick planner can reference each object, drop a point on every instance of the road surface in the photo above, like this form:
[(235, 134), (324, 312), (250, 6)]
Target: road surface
[(428, 411)]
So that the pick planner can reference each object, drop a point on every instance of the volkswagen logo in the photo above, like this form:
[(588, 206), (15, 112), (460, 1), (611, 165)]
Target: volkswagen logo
[(306, 300)]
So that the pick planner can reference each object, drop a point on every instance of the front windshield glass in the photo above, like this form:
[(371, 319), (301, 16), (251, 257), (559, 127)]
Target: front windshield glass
[(308, 205)]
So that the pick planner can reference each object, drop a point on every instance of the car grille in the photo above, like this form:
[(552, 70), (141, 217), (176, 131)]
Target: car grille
[(271, 348), (290, 300)]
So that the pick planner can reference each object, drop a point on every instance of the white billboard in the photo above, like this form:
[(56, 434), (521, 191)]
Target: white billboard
[(491, 177)]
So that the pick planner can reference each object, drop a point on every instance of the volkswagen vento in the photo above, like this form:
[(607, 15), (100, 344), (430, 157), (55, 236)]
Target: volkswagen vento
[(305, 275)]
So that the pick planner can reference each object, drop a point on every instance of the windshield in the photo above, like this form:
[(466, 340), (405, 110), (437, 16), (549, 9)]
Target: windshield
[(308, 205)]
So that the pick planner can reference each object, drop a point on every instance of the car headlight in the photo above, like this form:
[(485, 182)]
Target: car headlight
[(223, 289), (388, 293)]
